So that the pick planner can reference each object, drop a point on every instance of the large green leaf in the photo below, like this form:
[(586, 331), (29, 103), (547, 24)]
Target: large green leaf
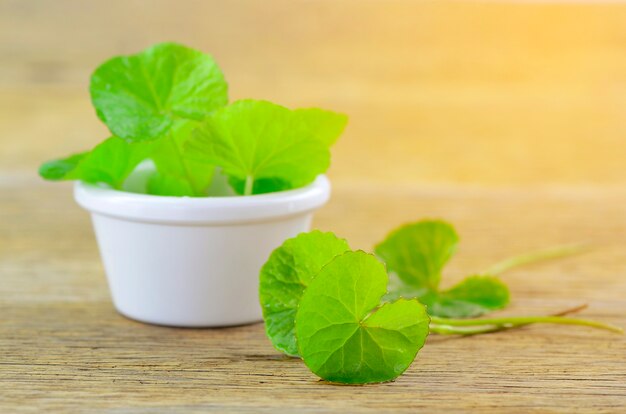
[(344, 337), (139, 97), (255, 140), (110, 162), (418, 252), (285, 276)]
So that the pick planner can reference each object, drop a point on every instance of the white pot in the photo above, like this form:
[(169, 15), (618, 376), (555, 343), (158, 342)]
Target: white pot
[(193, 262)]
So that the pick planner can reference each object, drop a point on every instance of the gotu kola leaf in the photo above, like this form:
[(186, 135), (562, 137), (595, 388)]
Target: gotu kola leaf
[(284, 277), (139, 97), (258, 140), (343, 336), (418, 252), (110, 162)]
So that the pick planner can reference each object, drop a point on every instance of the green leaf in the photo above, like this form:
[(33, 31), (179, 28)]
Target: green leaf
[(168, 185), (285, 276), (343, 336), (139, 97), (58, 169), (178, 174), (327, 126), (254, 140), (474, 296), (418, 252), (110, 162)]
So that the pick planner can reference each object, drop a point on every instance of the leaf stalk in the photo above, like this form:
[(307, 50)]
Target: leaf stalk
[(536, 256), (477, 326), (249, 185)]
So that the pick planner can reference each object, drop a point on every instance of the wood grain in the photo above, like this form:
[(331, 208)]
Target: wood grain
[(64, 348), (503, 118)]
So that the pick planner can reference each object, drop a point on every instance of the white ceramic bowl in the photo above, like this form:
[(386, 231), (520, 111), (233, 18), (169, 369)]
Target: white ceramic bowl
[(193, 262)]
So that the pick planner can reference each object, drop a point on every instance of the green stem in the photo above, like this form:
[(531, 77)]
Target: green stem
[(449, 330), (488, 325), (537, 256), (249, 185)]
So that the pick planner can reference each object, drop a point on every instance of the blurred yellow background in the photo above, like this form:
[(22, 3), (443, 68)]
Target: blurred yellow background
[(481, 93)]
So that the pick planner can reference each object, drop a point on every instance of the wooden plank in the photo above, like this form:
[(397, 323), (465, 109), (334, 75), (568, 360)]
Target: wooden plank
[(64, 347)]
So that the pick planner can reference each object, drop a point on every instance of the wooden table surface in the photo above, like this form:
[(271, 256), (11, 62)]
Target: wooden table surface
[(506, 119)]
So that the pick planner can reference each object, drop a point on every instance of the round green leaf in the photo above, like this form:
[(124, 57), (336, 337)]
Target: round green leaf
[(258, 140), (139, 97), (285, 276), (417, 252), (341, 334)]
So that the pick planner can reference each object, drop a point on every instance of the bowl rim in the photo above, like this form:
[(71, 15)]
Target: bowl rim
[(202, 210)]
